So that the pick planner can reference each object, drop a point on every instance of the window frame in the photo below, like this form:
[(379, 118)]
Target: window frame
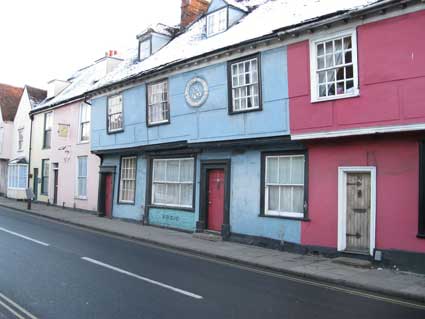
[(151, 181), (78, 177), (263, 200), (167, 121), (148, 39), (313, 65), (43, 177), (17, 166), (46, 130), (107, 114), (81, 123), (119, 200), (21, 142), (213, 13), (231, 110)]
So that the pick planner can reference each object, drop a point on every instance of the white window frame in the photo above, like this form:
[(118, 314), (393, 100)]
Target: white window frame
[(154, 181), (342, 204), (122, 180), (9, 171), (314, 86), (215, 18), (143, 49), (48, 129), (163, 103), (78, 177), (268, 212), (20, 141), (108, 114), (80, 123), (234, 88)]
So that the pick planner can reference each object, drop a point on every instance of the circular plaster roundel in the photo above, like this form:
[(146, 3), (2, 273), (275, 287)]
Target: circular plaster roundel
[(196, 92)]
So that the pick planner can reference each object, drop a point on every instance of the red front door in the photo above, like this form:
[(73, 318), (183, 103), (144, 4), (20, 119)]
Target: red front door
[(108, 195), (215, 199)]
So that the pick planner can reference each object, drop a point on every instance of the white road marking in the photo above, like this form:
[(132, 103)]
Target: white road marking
[(24, 237), (16, 306), (180, 291)]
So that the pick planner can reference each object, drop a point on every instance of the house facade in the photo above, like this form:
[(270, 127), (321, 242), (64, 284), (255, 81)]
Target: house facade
[(18, 165), (9, 102), (356, 96), (64, 172), (298, 126)]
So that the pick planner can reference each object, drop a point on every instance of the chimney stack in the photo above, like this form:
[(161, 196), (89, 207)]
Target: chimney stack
[(191, 9)]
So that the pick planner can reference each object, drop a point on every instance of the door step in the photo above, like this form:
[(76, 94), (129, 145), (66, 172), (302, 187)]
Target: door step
[(208, 236), (360, 263)]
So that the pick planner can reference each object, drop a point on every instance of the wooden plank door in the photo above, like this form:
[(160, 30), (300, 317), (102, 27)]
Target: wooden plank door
[(358, 212), (108, 195), (215, 199)]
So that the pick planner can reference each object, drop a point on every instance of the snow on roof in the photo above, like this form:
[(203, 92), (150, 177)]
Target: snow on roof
[(158, 28), (237, 4), (35, 95), (270, 16)]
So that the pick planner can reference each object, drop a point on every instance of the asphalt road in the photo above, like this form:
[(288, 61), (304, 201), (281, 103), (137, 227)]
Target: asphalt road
[(52, 270)]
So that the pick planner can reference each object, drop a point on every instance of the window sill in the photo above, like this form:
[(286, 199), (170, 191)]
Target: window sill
[(126, 203), (157, 124), (337, 97), (187, 209), (421, 236), (83, 142), (303, 219), (80, 198), (115, 131), (258, 109)]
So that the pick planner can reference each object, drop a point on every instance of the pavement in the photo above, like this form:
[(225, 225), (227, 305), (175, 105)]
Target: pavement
[(386, 282)]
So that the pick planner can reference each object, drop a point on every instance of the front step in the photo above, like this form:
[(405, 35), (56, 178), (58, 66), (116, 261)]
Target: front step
[(361, 263), (208, 236)]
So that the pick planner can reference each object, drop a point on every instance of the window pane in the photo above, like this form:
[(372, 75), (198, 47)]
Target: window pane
[(160, 193), (186, 194), (173, 194), (272, 170), (298, 199), (297, 170), (286, 199), (285, 170), (186, 171), (273, 198), (159, 170), (173, 171)]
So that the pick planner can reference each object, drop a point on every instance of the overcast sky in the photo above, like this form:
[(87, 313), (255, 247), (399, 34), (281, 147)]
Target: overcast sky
[(46, 39)]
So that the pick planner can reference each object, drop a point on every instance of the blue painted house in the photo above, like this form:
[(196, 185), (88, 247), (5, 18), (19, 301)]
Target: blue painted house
[(193, 130)]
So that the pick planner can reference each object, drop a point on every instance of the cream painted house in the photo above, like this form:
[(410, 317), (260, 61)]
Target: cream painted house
[(20, 143)]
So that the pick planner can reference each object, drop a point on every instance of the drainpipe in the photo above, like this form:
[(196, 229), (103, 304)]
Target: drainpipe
[(29, 160)]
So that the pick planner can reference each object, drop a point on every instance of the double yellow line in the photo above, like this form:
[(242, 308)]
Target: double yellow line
[(14, 308)]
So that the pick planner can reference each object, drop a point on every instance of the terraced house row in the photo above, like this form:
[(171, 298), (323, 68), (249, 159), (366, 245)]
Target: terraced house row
[(290, 124)]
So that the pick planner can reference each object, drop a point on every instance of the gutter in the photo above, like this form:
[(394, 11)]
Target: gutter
[(58, 104)]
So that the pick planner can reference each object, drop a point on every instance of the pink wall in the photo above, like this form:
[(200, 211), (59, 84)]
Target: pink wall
[(391, 61), (397, 165), (68, 164)]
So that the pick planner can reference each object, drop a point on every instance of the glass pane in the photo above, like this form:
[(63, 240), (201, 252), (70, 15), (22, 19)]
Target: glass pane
[(297, 170), (298, 199), (322, 90), (322, 76), (349, 86), (172, 170), (172, 194), (272, 170), (340, 74), (338, 45), (159, 170), (320, 49), (349, 72), (331, 89), (340, 88), (284, 170), (160, 193), (285, 199), (273, 199), (338, 59), (320, 63), (186, 195), (331, 75), (329, 60), (347, 43), (348, 57), (186, 170), (329, 47)]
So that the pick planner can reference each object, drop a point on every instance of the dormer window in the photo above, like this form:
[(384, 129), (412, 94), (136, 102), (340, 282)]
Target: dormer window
[(145, 49), (216, 22)]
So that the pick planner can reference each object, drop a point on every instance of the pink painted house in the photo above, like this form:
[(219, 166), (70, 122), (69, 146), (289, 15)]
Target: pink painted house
[(357, 101)]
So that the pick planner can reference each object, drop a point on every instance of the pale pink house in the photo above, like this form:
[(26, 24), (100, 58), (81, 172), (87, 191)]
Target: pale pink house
[(63, 170)]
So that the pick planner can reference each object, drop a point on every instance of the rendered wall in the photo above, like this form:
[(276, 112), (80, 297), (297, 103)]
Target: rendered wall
[(391, 80), (209, 122), (397, 167)]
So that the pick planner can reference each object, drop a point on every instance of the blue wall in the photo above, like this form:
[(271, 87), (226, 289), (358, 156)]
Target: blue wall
[(244, 199), (209, 122)]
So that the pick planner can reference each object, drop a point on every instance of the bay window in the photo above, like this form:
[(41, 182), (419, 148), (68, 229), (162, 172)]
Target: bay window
[(172, 182), (17, 176)]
